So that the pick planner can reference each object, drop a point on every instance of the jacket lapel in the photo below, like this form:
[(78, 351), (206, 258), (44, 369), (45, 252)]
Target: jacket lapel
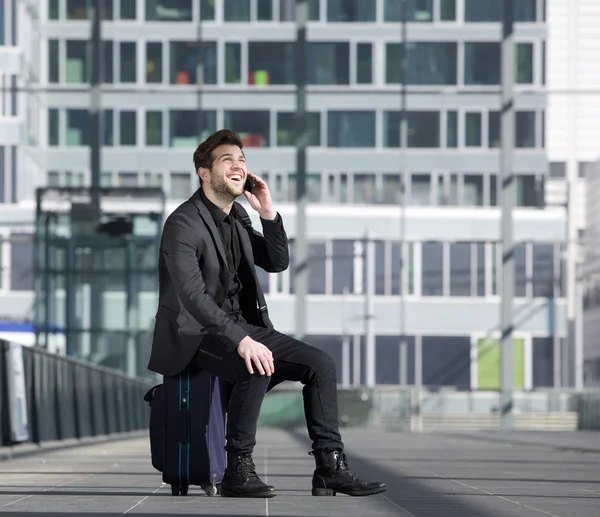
[(205, 214)]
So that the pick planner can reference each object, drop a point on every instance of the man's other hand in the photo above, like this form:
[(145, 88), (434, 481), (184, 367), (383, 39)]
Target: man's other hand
[(254, 352)]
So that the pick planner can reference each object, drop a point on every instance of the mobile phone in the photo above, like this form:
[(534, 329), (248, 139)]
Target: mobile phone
[(250, 184)]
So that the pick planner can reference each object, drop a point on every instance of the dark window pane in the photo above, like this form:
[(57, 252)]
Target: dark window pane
[(77, 127), (427, 63), (21, 262), (447, 10), (287, 10), (388, 360), (482, 63), (53, 126), (78, 62), (153, 128), (452, 129), (128, 62), (491, 10), (108, 72), (460, 269), (558, 169), (527, 190), (543, 270), (270, 62), (328, 63), (154, 62), (524, 63), (423, 128), (53, 61), (391, 128), (236, 11), (351, 129), (128, 128), (109, 135), (168, 10), (233, 63), (380, 270), (416, 11), (53, 10), (286, 131), (316, 268), (364, 188), (392, 189), (343, 266), (447, 361), (520, 270), (207, 10), (264, 10), (543, 362), (493, 189), (364, 63), (494, 129), (184, 60), (128, 10), (481, 269), (473, 190), (432, 274), (350, 11), (525, 129), (77, 10), (188, 127), (252, 126), (473, 129)]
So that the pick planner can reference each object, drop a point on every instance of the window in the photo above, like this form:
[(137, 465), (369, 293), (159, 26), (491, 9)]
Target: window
[(128, 10), (447, 10), (473, 190), (207, 10), (316, 265), (53, 127), (153, 128), (432, 275), (21, 261), (351, 10), (525, 129), (286, 131), (452, 129), (364, 63), (184, 62), (128, 129), (108, 123), (491, 10), (328, 63), (168, 10), (154, 62), (480, 271), (528, 192), (108, 72), (543, 271), (520, 257), (270, 62), (420, 193), (53, 179), (233, 63), (187, 127), (365, 190), (236, 11), (416, 11), (543, 362), (343, 266), (494, 129), (253, 126), (392, 189), (427, 63), (313, 187), (482, 63), (53, 61), (473, 129), (558, 169), (77, 10), (287, 10), (460, 269), (128, 62), (264, 10), (127, 179), (78, 62), (351, 129), (524, 63), (180, 185), (423, 128), (77, 127), (53, 10)]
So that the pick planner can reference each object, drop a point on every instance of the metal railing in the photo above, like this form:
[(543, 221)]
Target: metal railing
[(46, 397)]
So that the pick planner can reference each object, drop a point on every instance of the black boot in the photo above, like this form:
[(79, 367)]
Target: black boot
[(240, 479), (333, 475)]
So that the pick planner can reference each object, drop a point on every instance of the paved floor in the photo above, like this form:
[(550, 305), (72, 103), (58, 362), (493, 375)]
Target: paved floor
[(428, 475)]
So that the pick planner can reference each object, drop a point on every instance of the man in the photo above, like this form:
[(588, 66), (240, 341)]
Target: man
[(212, 313)]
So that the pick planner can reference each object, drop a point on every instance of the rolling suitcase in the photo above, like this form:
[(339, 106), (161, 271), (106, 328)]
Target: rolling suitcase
[(187, 430)]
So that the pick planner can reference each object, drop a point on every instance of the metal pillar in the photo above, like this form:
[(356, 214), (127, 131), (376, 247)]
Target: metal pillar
[(370, 310), (301, 246), (345, 342), (508, 202)]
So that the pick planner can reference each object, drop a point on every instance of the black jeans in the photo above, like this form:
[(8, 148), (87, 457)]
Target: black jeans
[(294, 361)]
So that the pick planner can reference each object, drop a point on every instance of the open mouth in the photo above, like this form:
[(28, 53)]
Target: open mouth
[(236, 178)]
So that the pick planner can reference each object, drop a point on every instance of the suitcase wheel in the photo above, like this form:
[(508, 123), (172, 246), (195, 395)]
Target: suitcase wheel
[(179, 489), (211, 490)]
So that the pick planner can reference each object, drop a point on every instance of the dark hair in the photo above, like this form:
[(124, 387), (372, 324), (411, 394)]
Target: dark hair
[(203, 156)]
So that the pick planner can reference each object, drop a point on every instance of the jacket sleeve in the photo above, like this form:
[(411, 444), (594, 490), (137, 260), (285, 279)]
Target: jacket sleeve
[(180, 246), (270, 249)]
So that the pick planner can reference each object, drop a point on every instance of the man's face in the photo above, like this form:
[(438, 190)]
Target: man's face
[(228, 174)]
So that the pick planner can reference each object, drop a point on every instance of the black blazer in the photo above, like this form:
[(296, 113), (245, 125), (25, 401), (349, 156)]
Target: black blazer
[(194, 278)]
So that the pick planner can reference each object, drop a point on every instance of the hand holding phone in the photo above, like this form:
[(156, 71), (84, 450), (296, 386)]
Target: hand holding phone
[(250, 183)]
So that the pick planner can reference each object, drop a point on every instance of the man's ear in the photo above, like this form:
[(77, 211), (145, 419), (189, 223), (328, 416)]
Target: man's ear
[(203, 173)]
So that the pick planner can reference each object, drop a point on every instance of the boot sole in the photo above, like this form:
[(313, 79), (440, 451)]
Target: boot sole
[(328, 492), (250, 495)]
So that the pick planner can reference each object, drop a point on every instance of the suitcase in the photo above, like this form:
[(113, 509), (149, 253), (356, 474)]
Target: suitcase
[(187, 430)]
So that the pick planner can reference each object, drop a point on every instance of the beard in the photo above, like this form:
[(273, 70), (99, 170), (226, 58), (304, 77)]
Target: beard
[(223, 189)]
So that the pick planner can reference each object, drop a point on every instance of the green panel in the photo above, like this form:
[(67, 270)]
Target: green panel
[(488, 364)]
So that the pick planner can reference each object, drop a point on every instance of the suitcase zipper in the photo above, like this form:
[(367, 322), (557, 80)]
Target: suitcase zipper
[(214, 356)]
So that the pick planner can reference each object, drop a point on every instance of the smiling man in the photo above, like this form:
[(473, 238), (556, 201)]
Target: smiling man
[(212, 314)]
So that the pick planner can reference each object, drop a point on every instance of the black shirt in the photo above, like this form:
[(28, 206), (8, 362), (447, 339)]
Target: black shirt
[(227, 229)]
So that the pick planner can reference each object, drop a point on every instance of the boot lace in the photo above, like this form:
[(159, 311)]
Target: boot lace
[(245, 467), (342, 464)]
